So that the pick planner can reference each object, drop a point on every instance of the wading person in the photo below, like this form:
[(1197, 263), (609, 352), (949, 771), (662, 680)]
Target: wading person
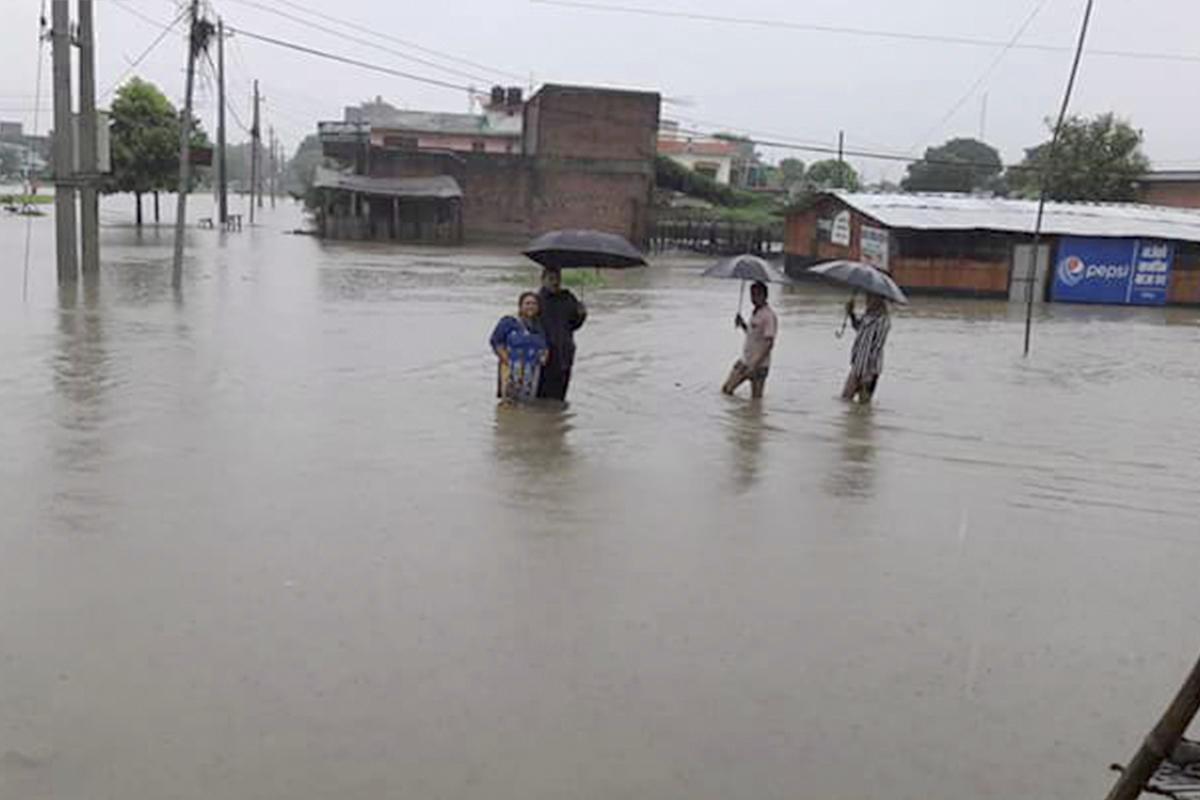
[(755, 362), (521, 350), (562, 314), (866, 356)]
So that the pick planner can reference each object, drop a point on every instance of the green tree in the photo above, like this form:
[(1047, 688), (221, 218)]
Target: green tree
[(959, 165), (298, 174), (832, 174), (1096, 159), (792, 170), (11, 165), (145, 142)]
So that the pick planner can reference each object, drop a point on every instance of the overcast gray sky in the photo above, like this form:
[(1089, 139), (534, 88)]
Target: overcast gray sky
[(887, 94)]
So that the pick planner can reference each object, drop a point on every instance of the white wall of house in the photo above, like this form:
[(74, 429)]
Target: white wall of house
[(719, 168)]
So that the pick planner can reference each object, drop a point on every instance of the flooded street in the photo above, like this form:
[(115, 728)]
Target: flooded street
[(272, 538)]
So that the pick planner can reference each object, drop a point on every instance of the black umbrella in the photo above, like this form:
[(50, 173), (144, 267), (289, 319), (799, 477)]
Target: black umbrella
[(861, 276), (572, 249), (746, 268)]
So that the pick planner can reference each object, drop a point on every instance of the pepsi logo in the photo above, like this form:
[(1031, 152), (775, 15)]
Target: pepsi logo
[(1071, 270)]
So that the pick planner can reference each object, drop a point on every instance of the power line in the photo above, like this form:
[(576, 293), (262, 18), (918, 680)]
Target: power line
[(364, 42), (983, 76), (352, 61), (166, 29), (854, 31), (413, 45)]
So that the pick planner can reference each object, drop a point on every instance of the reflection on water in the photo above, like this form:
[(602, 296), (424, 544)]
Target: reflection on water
[(746, 422), (854, 473), (324, 563)]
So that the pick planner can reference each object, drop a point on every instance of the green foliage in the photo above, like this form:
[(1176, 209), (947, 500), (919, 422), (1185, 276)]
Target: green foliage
[(26, 199), (959, 165), (670, 174), (10, 162), (1097, 159), (832, 174), (145, 140), (298, 177)]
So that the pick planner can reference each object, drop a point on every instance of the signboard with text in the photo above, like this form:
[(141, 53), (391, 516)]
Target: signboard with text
[(873, 246), (1117, 271), (840, 232)]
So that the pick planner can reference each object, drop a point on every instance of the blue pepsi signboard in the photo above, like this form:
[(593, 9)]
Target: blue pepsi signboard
[(1120, 271)]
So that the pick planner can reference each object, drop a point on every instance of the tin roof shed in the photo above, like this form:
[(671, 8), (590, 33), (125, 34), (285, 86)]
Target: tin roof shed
[(952, 212)]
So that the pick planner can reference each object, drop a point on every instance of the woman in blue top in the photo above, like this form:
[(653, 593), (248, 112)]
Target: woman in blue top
[(521, 348)]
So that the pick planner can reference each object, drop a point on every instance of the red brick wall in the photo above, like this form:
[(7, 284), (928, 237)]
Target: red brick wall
[(1183, 194), (579, 122)]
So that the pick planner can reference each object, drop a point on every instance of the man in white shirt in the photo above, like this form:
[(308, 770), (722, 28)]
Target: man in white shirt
[(755, 362)]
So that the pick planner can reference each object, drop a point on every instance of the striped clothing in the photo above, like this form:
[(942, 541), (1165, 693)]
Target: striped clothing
[(866, 357)]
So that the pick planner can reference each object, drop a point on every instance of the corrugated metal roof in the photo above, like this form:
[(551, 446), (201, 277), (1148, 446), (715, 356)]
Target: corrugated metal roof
[(1171, 176), (439, 186), (968, 212)]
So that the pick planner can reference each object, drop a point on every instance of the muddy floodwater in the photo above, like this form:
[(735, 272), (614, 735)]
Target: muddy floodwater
[(271, 538)]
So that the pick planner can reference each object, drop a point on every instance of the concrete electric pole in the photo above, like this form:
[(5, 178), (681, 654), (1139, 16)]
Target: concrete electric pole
[(254, 143), (185, 149), (64, 151), (222, 172), (89, 164)]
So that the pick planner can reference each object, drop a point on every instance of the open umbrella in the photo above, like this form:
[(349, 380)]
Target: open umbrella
[(863, 277), (746, 268), (570, 249)]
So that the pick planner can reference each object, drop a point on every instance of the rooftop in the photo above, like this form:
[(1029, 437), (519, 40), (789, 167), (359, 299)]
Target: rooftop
[(970, 212), (438, 186), (1171, 176), (490, 124)]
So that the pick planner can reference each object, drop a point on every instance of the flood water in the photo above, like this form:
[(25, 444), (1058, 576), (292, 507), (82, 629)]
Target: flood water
[(272, 538)]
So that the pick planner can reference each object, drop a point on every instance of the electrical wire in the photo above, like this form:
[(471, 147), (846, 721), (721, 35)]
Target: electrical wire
[(991, 67), (351, 61), (364, 42), (166, 29), (854, 31), (37, 91), (413, 45)]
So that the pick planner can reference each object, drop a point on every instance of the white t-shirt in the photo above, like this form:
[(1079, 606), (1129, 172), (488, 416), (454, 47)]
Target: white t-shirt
[(763, 325)]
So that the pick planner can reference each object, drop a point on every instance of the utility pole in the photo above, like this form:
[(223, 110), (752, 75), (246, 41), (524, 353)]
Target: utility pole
[(89, 166), (983, 117), (841, 146), (274, 173), (254, 156), (64, 152), (222, 173), (185, 149)]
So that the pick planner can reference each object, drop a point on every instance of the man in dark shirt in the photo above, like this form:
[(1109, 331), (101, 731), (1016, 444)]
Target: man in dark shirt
[(561, 315)]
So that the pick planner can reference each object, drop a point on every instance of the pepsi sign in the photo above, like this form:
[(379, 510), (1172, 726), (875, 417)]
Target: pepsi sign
[(1120, 271)]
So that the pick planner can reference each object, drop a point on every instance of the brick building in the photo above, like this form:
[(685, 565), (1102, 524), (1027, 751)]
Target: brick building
[(982, 246), (1178, 188), (586, 159)]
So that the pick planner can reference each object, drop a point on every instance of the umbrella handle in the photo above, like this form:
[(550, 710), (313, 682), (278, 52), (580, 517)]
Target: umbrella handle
[(741, 296), (845, 317)]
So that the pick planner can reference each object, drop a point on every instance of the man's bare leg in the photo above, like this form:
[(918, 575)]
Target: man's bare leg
[(737, 376)]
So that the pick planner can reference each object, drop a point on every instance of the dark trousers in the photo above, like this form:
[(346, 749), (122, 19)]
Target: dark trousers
[(554, 383)]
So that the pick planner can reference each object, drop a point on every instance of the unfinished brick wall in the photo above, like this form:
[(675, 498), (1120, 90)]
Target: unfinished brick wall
[(590, 123)]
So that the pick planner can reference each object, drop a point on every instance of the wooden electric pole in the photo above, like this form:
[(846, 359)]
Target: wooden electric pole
[(222, 171), (64, 150), (254, 141), (185, 148), (89, 163), (1162, 741)]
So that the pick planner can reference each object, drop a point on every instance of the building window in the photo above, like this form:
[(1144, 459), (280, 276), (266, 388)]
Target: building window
[(478, 147), (708, 170)]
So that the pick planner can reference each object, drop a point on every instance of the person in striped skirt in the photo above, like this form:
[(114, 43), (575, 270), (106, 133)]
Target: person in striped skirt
[(866, 357)]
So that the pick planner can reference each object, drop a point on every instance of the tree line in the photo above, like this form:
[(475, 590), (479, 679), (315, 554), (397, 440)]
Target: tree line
[(1097, 159)]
